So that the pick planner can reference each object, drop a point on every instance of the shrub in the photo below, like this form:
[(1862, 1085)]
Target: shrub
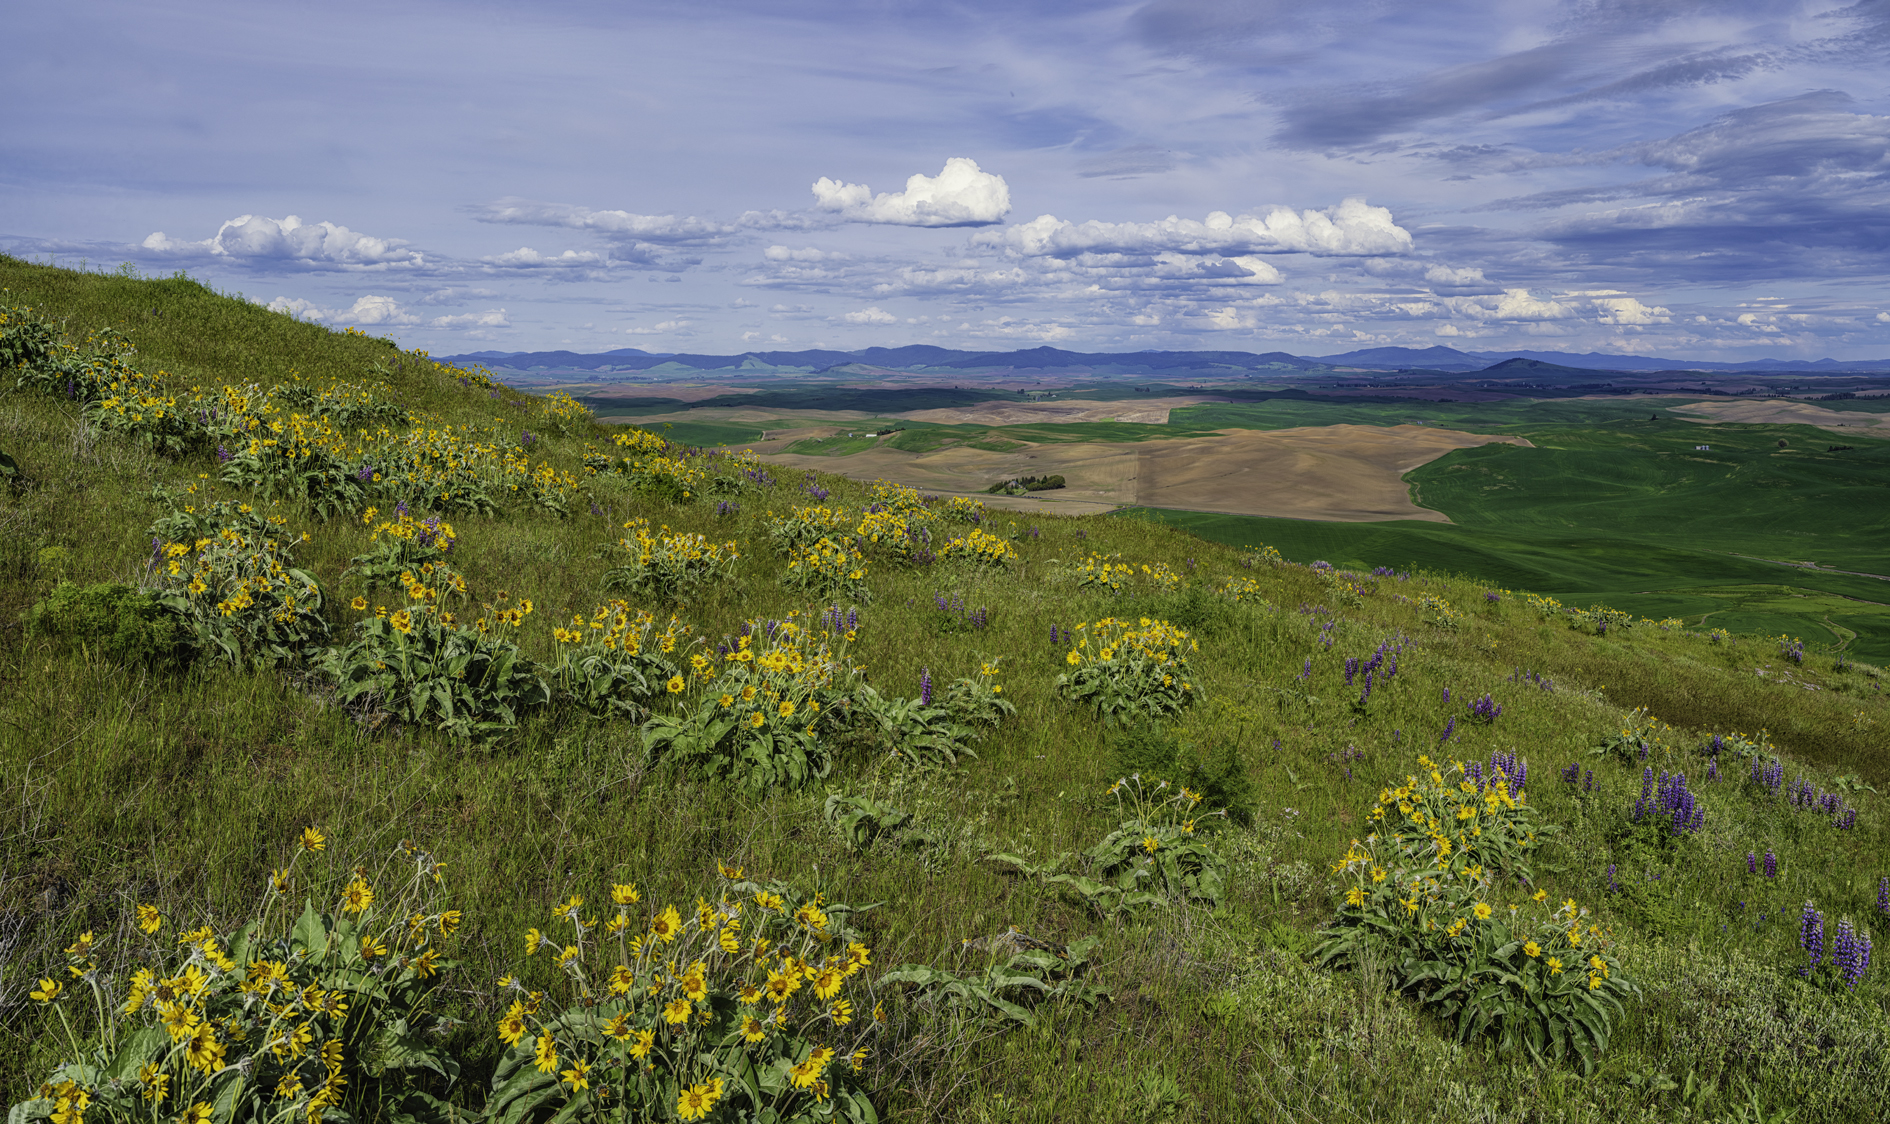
[(1528, 976), (669, 565), (1023, 972), (239, 589), (827, 568), (754, 719), (120, 623), (899, 533), (1103, 572), (1128, 672), (419, 666), (747, 1007), (400, 546), (613, 665), (802, 527), (979, 548), (923, 732), (285, 1018)]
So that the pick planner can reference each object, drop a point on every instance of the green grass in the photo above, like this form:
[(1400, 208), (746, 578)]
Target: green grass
[(839, 445), (187, 788)]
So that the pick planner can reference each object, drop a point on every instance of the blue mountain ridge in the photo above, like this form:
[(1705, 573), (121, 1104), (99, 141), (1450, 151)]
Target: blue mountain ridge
[(922, 356)]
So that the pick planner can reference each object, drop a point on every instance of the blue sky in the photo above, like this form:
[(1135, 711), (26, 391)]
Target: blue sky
[(1701, 179)]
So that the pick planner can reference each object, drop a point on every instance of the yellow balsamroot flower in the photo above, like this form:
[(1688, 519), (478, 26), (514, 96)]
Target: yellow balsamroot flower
[(676, 685), (727, 700), (358, 896), (677, 1012), (154, 1084), (47, 991), (533, 939), (198, 1113), (618, 1026), (1532, 949), (758, 720), (827, 982), (402, 622), (449, 922), (667, 924), (1482, 910), (695, 1102), (753, 1030), (202, 1050), (359, 604), (787, 708), (841, 1012), (545, 1053), (693, 985), (578, 1076), (644, 1040), (1355, 896), (748, 994), (372, 947), (512, 1023), (149, 919), (624, 893), (622, 979), (312, 839)]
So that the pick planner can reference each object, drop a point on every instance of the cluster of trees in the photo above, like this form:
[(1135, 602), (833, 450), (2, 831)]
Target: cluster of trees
[(1024, 484)]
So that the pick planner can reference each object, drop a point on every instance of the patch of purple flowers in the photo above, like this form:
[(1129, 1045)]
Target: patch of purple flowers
[(925, 687), (1771, 776), (1486, 710), (1669, 800)]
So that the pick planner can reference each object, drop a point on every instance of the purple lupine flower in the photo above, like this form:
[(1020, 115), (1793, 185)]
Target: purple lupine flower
[(223, 454), (1771, 865), (400, 509), (853, 618), (1450, 728), (1752, 863), (925, 687), (1351, 669), (1573, 773), (1366, 694), (1446, 694), (1811, 937), (1491, 597), (1588, 780), (1613, 887), (1306, 671), (1712, 769), (1883, 896), (1486, 709)]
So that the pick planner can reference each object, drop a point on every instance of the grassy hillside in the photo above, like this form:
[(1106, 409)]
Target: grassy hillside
[(170, 748)]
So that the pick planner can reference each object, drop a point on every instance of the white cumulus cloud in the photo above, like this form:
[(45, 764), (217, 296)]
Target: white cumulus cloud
[(805, 254), (1444, 275), (527, 258), (870, 315), (620, 225), (1628, 310), (258, 240), (376, 310), (1354, 228), (960, 195)]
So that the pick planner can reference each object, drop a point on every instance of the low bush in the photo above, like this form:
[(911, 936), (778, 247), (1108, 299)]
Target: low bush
[(117, 622)]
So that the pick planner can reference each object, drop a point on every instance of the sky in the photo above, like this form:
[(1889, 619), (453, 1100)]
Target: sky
[(1706, 180)]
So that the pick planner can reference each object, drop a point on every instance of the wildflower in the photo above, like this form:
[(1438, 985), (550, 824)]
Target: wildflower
[(578, 1076), (533, 940), (677, 1012), (624, 894), (545, 1051), (786, 709), (695, 1102), (47, 991), (512, 1023), (153, 1082), (357, 897), (372, 947), (198, 1113), (841, 1012), (202, 1050), (1149, 843), (1555, 966), (449, 922), (279, 881), (667, 924), (1482, 910), (675, 685), (1532, 949), (359, 604), (1355, 896), (312, 839)]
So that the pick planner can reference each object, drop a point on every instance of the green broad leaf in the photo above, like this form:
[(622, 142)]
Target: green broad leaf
[(311, 932), (1011, 1010), (137, 1049)]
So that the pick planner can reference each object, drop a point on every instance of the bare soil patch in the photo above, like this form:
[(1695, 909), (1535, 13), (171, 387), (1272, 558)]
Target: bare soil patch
[(1350, 473), (1347, 473), (1772, 411)]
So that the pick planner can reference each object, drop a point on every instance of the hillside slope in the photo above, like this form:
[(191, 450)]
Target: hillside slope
[(434, 681)]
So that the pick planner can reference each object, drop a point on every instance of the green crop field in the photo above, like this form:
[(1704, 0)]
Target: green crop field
[(381, 744)]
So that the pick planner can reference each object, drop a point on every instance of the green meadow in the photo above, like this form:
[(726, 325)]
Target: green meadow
[(980, 902)]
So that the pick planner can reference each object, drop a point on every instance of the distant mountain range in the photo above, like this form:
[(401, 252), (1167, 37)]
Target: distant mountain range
[(921, 357)]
